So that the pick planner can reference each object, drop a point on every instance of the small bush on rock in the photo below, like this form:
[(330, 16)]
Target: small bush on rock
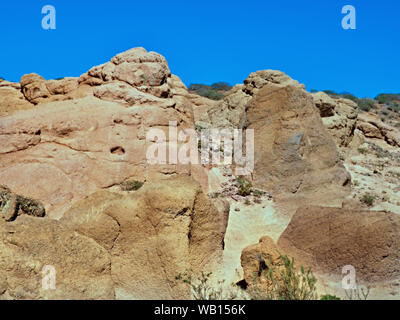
[(131, 185)]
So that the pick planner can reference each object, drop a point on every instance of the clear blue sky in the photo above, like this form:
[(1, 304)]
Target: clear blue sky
[(209, 41)]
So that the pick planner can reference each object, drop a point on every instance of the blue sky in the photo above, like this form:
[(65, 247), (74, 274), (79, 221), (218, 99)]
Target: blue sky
[(209, 41)]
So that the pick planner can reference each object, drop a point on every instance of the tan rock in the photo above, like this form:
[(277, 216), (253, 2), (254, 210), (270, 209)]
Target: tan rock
[(11, 99), (63, 151), (294, 154), (330, 238), (30, 245), (157, 232), (34, 88), (373, 127), (256, 260), (339, 116)]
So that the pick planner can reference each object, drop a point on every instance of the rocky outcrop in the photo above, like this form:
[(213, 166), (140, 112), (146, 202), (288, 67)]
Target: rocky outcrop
[(88, 134), (32, 248), (257, 260), (330, 238), (11, 98), (231, 111), (12, 205), (339, 116), (372, 127), (111, 245), (294, 154)]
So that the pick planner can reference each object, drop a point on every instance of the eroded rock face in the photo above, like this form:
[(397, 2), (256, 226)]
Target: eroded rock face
[(294, 154), (84, 135), (330, 238), (372, 127), (339, 116), (110, 245), (12, 205), (231, 111), (29, 244), (11, 98), (256, 260)]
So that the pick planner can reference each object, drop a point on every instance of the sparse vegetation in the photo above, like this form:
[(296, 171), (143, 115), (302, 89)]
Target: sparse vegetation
[(387, 97), (215, 91), (394, 106), (366, 104), (131, 185), (245, 187), (368, 200), (329, 297), (288, 283), (202, 289), (362, 150)]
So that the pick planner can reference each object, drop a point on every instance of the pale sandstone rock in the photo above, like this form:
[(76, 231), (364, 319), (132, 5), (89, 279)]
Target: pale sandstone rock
[(294, 154), (159, 231), (11, 99), (64, 151), (373, 127), (110, 245), (339, 116), (34, 88)]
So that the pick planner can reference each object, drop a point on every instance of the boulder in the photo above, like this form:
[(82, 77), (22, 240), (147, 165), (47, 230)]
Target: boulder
[(11, 98), (256, 260), (330, 238), (12, 205), (294, 154)]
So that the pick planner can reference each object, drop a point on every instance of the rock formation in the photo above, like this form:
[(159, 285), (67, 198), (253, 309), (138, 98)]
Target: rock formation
[(12, 205), (110, 245), (330, 238), (89, 133), (339, 116)]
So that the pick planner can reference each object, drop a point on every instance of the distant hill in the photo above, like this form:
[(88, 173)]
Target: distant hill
[(215, 91)]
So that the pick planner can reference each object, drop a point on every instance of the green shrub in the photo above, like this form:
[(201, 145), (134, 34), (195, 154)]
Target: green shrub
[(214, 92), (245, 187), (131, 185), (395, 107), (290, 283), (367, 199), (222, 86), (362, 150), (366, 104), (329, 297), (387, 97)]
